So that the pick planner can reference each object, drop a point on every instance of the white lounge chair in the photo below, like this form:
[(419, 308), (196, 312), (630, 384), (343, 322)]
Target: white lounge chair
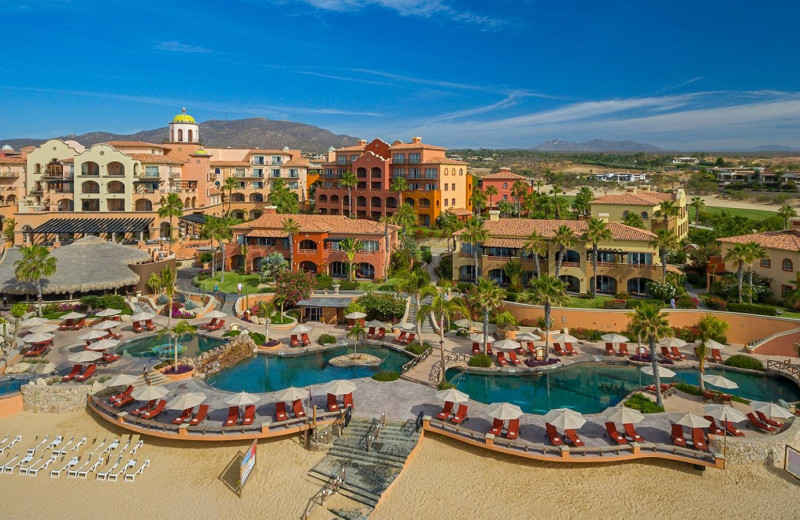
[(55, 473), (103, 472), (136, 443), (73, 472), (77, 446), (62, 450), (31, 451), (84, 473), (8, 464), (5, 438), (129, 477), (23, 469), (113, 475), (10, 444), (56, 442), (41, 467), (110, 447)]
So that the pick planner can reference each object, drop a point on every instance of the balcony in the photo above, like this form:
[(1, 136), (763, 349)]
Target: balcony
[(307, 251), (638, 267)]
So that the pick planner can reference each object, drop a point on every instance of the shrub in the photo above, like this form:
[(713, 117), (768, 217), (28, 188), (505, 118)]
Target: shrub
[(162, 299), (622, 296), (662, 290), (505, 318), (426, 254), (326, 339), (687, 302), (386, 375), (205, 257), (384, 307), (347, 285), (189, 305), (444, 385), (688, 389), (752, 308), (635, 304), (354, 306), (614, 304), (528, 322), (324, 281), (742, 361), (716, 303), (480, 360), (50, 308), (417, 349), (259, 338), (201, 277), (643, 404), (231, 333), (588, 334), (689, 334)]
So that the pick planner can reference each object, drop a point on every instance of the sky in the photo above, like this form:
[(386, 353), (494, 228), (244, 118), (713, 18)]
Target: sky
[(708, 75)]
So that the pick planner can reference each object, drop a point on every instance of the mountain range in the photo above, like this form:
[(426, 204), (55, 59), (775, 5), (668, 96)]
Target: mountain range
[(595, 145), (255, 132)]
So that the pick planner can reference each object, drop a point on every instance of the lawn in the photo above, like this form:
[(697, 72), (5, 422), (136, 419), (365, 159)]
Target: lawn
[(250, 282), (582, 303), (755, 214)]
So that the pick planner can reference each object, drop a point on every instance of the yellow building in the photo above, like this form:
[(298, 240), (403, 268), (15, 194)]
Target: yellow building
[(646, 203)]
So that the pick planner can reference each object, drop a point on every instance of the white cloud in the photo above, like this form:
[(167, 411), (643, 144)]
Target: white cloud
[(419, 8), (176, 46)]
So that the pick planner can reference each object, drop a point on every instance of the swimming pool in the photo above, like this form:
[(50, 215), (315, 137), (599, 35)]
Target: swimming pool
[(591, 389), (271, 373), (160, 347), (9, 386)]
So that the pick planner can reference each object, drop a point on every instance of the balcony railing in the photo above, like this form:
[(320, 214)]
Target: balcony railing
[(307, 251), (641, 267)]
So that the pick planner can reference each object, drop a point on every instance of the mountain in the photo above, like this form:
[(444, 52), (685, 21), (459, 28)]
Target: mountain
[(255, 132), (595, 145), (775, 148)]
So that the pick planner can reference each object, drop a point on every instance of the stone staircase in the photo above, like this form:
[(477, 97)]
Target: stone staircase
[(427, 325), (368, 474)]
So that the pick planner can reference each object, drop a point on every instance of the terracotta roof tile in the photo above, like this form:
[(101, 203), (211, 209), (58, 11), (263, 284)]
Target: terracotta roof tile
[(415, 146), (136, 144), (298, 162), (787, 240), (651, 198), (504, 175), (316, 224), (442, 160), (150, 158), (230, 163), (13, 160), (460, 211), (505, 242), (356, 148), (522, 227)]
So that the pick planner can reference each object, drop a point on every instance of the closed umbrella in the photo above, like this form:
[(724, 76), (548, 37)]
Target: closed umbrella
[(672, 342), (504, 411), (300, 329), (73, 316), (292, 394), (215, 314), (339, 387), (106, 325), (719, 381), (355, 315), (624, 415), (104, 344), (452, 395), (662, 372), (771, 410), (187, 400), (505, 344), (563, 338), (121, 380), (614, 338), (142, 316), (38, 337), (45, 328), (107, 313), (148, 393), (33, 322), (528, 336), (241, 399), (85, 356), (724, 412), (565, 419), (93, 334), (691, 420), (478, 338)]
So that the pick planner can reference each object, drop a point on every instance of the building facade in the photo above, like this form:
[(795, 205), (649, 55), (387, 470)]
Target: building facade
[(503, 181), (646, 203)]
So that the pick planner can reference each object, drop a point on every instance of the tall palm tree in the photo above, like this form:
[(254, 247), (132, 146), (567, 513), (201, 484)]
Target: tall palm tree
[(444, 309), (555, 191), (219, 229), (399, 184), (697, 204), (180, 328), (404, 217), (563, 239), (349, 181), (35, 264), (518, 190), (740, 254), (475, 233), (450, 224), (666, 210), (648, 321), (633, 220), (786, 212), (488, 297), (230, 184), (291, 227), (596, 231), (266, 308), (168, 285), (351, 247), (536, 245), (490, 191), (413, 283), (547, 291), (583, 201), (665, 242), (755, 252), (478, 200), (542, 206), (357, 331), (169, 207)]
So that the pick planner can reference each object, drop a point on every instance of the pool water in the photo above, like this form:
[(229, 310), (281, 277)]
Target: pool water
[(160, 347), (9, 386), (270, 373), (591, 389)]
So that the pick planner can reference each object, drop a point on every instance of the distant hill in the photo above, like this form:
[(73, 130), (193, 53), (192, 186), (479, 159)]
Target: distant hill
[(775, 148), (595, 145), (255, 132)]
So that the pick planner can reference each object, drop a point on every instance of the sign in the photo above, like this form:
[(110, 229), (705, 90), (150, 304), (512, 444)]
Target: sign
[(247, 465), (792, 462)]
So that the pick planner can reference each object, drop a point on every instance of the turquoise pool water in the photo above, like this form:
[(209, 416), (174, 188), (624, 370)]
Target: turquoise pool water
[(591, 389), (9, 386), (155, 347), (269, 373)]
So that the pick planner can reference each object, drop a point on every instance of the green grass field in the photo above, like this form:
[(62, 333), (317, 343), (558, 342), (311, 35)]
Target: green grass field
[(250, 281), (756, 214)]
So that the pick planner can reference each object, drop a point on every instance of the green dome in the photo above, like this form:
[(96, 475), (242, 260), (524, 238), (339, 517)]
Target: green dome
[(183, 117)]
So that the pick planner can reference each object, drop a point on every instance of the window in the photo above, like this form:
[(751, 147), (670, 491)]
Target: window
[(217, 171), (445, 186), (640, 258), (413, 158), (453, 186), (453, 203), (341, 159), (644, 215), (258, 172), (505, 197), (431, 187), (788, 265), (431, 173), (445, 200), (293, 185), (151, 171), (329, 173), (461, 171), (766, 262), (399, 158), (370, 246), (413, 173), (239, 172), (505, 185), (353, 158), (625, 214), (277, 159), (276, 172), (294, 172)]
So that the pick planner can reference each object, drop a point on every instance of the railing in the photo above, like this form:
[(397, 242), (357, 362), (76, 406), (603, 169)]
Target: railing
[(416, 361), (307, 251), (436, 369), (375, 430), (784, 366), (330, 487), (642, 267)]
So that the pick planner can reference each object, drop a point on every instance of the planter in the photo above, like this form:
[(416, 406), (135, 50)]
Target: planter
[(176, 377), (335, 288)]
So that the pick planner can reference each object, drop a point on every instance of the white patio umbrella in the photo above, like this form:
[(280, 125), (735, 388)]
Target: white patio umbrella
[(719, 381), (771, 410), (104, 344), (143, 316), (148, 393), (478, 338), (375, 323), (121, 380), (38, 337), (187, 400), (623, 415), (672, 342), (107, 312), (33, 322), (212, 314), (614, 338), (357, 315), (292, 394), (723, 412), (505, 344), (300, 329), (464, 323), (504, 411), (94, 334), (241, 399), (662, 372), (339, 387), (528, 336), (565, 419), (715, 345), (452, 395), (408, 327), (44, 328), (106, 325), (563, 338), (73, 316), (691, 420), (85, 356)]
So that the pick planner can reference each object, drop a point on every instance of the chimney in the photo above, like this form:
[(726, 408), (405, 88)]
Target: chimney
[(416, 140), (645, 187), (362, 142), (494, 215), (270, 210), (630, 189), (794, 223), (603, 217), (505, 169)]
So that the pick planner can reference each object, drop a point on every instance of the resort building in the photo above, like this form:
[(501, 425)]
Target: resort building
[(435, 182), (620, 177), (503, 181), (646, 203), (627, 262), (316, 245)]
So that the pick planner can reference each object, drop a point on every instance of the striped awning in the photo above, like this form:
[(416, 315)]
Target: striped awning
[(94, 225)]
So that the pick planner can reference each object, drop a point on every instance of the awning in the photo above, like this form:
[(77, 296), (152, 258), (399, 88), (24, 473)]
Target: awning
[(94, 225), (338, 303), (194, 218)]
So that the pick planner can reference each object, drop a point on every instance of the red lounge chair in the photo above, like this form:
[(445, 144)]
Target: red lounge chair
[(677, 435), (623, 349), (209, 324), (713, 428), (371, 333), (79, 324), (306, 341), (183, 417), (89, 372), (76, 369), (348, 401), (294, 341), (446, 412), (501, 359), (460, 415), (709, 396), (123, 401), (218, 326), (699, 439), (333, 404), (531, 348), (570, 351), (514, 359), (630, 431), (137, 326), (513, 429), (410, 339), (617, 437), (149, 406), (233, 416), (552, 434), (202, 412), (149, 325), (665, 353), (401, 338), (120, 395), (381, 334), (610, 349), (476, 348), (109, 358), (771, 422), (557, 349), (297, 407), (572, 435), (726, 398), (66, 325), (676, 354), (731, 429), (155, 411), (489, 349), (36, 351), (249, 415), (280, 411), (715, 355), (497, 427)]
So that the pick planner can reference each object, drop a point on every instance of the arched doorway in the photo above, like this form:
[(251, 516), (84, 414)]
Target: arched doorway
[(164, 230), (308, 266), (365, 270), (499, 277), (605, 284), (573, 283), (338, 269), (639, 287)]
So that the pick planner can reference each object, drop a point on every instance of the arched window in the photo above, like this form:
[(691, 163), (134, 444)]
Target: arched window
[(461, 171), (190, 135), (625, 214), (180, 135), (788, 265), (644, 215), (308, 244)]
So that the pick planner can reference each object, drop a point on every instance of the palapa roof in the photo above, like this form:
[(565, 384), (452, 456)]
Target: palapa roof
[(88, 264)]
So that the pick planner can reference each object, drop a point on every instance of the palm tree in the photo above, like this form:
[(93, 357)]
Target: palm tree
[(542, 206), (633, 220), (556, 191), (697, 204), (563, 239), (536, 245), (230, 184), (351, 247), (518, 190), (648, 321), (154, 283), (399, 185), (357, 331), (488, 297), (547, 291), (478, 200), (740, 254), (8, 229), (450, 224), (444, 309), (582, 202), (786, 212), (266, 307), (169, 207), (665, 242), (413, 283), (349, 181), (291, 227), (219, 229), (490, 191), (168, 285), (475, 234), (539, 183), (792, 298), (180, 328), (667, 209), (596, 232), (513, 269), (756, 252), (404, 217), (35, 264)]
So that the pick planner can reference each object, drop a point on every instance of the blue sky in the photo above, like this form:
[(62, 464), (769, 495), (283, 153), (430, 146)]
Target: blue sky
[(678, 74)]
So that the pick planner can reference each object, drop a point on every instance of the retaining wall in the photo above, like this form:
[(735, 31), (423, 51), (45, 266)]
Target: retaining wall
[(758, 450), (59, 398)]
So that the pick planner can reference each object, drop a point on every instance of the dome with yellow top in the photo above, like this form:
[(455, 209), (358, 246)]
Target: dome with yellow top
[(183, 117)]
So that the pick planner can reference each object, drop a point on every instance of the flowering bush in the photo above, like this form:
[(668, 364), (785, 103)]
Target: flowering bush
[(588, 334), (689, 334), (380, 306), (662, 290), (615, 304), (687, 302), (716, 303), (295, 286)]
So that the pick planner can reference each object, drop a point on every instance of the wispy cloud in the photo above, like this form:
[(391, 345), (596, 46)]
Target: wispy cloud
[(176, 46)]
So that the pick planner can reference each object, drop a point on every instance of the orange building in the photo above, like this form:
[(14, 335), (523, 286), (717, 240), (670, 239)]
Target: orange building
[(504, 182)]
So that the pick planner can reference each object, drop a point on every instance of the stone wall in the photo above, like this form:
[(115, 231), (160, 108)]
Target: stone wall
[(235, 351), (57, 398), (758, 450)]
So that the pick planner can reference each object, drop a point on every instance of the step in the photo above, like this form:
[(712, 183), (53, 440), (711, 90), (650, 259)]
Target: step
[(350, 490), (372, 457)]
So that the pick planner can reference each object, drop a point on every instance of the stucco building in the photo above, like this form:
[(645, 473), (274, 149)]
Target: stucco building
[(644, 202), (503, 181)]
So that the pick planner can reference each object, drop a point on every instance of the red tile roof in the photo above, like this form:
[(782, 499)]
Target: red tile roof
[(523, 227), (415, 146), (647, 198), (135, 144), (516, 243), (315, 224), (13, 160), (442, 160), (355, 148), (150, 158), (459, 211), (503, 175), (787, 240), (298, 162), (229, 163)]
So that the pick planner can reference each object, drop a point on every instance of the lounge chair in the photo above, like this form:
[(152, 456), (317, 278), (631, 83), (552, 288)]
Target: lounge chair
[(114, 474), (501, 359), (129, 477), (570, 351), (371, 333), (119, 403), (148, 324), (348, 401), (476, 348), (513, 429), (623, 349), (617, 437), (137, 326), (89, 372), (665, 353), (497, 427), (572, 435), (294, 341), (699, 439), (531, 348), (211, 323), (66, 325), (280, 411), (144, 409), (297, 407), (552, 434), (446, 412), (381, 334), (731, 429), (513, 356), (249, 415), (121, 395), (489, 349), (610, 349), (726, 398), (109, 358), (305, 340), (631, 433), (460, 415), (676, 354), (557, 349), (155, 411), (218, 326), (715, 355), (713, 428), (410, 339), (677, 435), (709, 396), (183, 417), (56, 473), (76, 369), (202, 412), (401, 338), (771, 422), (333, 403), (79, 324), (233, 416)]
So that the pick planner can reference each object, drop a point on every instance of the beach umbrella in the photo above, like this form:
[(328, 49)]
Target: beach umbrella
[(528, 336), (662, 372), (212, 314), (107, 313), (771, 410), (106, 325), (187, 400), (292, 394), (691, 420), (300, 329), (148, 393), (478, 338), (408, 327), (121, 380), (719, 381), (723, 412), (504, 411), (143, 316), (564, 418), (42, 368), (73, 316), (464, 323), (45, 328), (624, 415), (38, 337), (614, 338), (714, 345), (505, 344), (672, 342), (33, 322), (375, 323), (562, 338), (85, 356), (93, 334), (104, 344), (357, 315), (452, 395), (339, 387), (241, 399)]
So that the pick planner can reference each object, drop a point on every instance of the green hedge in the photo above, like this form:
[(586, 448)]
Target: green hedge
[(480, 360), (643, 404), (635, 304), (347, 285), (688, 389), (614, 304), (742, 361), (417, 349), (325, 339), (386, 375), (753, 308)]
